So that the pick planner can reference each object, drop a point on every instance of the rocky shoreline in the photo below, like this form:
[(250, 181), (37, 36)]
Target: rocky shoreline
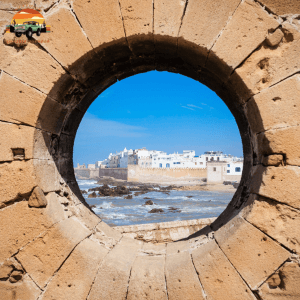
[(110, 187)]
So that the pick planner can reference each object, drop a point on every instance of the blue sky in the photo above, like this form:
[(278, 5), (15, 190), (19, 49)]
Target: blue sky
[(160, 111)]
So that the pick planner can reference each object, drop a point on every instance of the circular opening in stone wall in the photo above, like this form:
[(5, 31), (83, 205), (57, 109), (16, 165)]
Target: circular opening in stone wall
[(158, 147)]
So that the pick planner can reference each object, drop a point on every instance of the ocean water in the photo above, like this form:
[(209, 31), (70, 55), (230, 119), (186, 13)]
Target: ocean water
[(119, 211)]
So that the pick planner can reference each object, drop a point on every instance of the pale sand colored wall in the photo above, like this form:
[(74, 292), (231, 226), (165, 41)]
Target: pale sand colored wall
[(136, 173)]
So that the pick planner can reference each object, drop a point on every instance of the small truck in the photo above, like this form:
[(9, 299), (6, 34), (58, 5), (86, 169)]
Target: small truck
[(28, 28)]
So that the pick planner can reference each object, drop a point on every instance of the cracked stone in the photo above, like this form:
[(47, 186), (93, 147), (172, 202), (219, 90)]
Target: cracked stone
[(15, 276)]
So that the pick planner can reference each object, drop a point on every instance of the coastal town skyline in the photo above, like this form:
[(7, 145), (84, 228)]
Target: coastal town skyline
[(150, 158)]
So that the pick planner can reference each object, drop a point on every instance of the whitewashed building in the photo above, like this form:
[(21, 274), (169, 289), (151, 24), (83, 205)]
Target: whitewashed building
[(188, 159), (160, 159), (220, 171)]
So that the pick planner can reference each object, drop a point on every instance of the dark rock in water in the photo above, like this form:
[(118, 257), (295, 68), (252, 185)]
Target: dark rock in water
[(146, 198), (156, 210), (236, 185), (149, 202), (140, 193), (92, 195), (93, 206), (83, 192), (128, 197), (101, 207), (167, 188), (227, 182), (189, 196), (174, 209), (105, 190)]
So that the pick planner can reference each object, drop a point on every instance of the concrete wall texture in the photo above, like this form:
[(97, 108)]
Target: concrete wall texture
[(52, 246), (136, 173)]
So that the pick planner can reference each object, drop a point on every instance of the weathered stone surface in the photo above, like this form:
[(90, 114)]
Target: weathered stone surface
[(16, 4), (24, 65), (275, 38), (45, 250), (15, 137), (273, 160), (46, 175), (177, 247), (16, 276), (106, 236), (5, 270), (23, 290), (285, 285), (275, 107), (147, 280), (20, 224), (37, 198), (279, 221), (101, 20), (167, 21), (282, 8), (285, 141), (181, 277), (138, 23), (5, 19), (28, 103), (254, 255), (246, 30), (54, 208), (64, 30), (16, 181), (75, 278), (195, 37), (112, 279), (268, 65), (42, 257), (89, 219), (164, 231), (278, 183), (109, 231), (219, 279)]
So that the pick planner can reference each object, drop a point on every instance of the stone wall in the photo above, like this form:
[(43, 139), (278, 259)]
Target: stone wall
[(87, 173), (165, 231), (117, 173), (52, 246), (136, 173)]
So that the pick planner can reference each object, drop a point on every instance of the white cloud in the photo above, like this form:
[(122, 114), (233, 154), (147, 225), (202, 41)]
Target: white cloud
[(187, 107), (93, 127), (192, 105)]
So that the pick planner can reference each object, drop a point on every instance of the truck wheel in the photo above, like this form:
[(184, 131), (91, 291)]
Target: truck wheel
[(38, 33), (18, 34), (29, 34)]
